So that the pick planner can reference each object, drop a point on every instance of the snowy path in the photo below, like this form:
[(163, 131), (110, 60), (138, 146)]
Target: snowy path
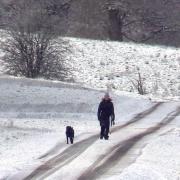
[(109, 160), (71, 153), (62, 159), (98, 158)]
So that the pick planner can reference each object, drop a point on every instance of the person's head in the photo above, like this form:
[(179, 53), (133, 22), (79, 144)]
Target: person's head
[(106, 96)]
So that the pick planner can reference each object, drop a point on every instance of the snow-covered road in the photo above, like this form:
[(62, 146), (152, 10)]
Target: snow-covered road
[(122, 141), (70, 154), (104, 164), (33, 119)]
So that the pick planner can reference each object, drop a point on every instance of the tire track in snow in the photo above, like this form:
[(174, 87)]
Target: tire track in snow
[(138, 117), (114, 155), (69, 154), (55, 150)]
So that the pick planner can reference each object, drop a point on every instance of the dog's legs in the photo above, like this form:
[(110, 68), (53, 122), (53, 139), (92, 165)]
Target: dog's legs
[(71, 139)]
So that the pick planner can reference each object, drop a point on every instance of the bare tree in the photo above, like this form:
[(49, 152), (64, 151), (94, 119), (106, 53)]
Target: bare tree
[(139, 84), (32, 48)]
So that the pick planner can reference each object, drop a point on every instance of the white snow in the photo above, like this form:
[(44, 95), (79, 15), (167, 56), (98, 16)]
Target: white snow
[(30, 128), (34, 113), (160, 160), (101, 63)]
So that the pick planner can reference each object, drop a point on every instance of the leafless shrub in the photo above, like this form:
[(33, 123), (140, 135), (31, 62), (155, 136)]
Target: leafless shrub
[(34, 55), (139, 84), (31, 48)]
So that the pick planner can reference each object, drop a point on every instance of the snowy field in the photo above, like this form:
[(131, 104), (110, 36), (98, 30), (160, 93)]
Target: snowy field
[(143, 145), (102, 63), (34, 114), (99, 64)]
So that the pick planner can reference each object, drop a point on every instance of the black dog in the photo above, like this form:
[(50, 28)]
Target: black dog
[(69, 134)]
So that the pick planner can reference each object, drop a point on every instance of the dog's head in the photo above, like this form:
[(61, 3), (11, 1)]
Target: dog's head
[(69, 129)]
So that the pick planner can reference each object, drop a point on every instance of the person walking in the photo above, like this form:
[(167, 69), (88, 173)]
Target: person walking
[(105, 112)]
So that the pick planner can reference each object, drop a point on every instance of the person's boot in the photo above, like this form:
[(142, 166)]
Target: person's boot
[(101, 137), (106, 137)]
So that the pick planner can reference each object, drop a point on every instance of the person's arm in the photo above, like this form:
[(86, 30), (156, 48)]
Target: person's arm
[(99, 112), (113, 114)]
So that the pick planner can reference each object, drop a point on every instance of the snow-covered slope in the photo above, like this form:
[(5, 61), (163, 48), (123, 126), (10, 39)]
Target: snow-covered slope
[(21, 97), (116, 64)]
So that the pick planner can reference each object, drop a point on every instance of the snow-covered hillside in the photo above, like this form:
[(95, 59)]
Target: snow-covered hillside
[(100, 64), (116, 64), (144, 144)]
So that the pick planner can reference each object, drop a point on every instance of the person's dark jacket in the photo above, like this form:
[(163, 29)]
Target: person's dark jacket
[(105, 111)]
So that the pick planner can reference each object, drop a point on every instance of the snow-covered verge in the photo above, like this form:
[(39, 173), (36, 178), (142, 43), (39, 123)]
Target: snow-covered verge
[(33, 116)]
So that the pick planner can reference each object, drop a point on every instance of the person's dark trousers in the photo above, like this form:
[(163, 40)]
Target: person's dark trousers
[(102, 131), (105, 130), (71, 140), (67, 139), (106, 133)]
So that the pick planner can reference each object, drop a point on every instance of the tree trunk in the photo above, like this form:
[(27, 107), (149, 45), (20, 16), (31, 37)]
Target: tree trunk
[(115, 27)]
